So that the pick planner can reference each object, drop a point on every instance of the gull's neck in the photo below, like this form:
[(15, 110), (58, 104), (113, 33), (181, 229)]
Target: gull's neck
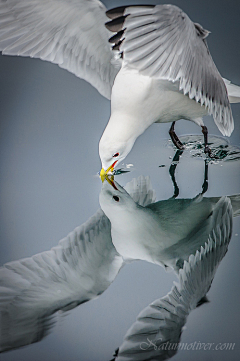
[(123, 127)]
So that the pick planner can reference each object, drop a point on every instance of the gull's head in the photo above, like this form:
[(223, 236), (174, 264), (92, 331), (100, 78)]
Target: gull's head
[(112, 152), (114, 200)]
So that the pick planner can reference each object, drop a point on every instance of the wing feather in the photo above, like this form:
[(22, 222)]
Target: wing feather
[(78, 269), (70, 33), (162, 42)]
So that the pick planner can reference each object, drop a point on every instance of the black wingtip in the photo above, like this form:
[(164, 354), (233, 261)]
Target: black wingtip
[(117, 46), (203, 300), (116, 12), (120, 10), (203, 33), (115, 354), (116, 38), (116, 24)]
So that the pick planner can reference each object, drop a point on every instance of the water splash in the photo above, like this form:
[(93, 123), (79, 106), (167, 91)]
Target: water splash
[(221, 149), (120, 171)]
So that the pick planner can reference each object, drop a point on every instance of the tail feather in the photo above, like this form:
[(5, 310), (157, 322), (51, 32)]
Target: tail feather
[(233, 91), (235, 200)]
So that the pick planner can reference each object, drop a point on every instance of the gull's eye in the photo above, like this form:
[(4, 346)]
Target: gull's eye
[(116, 198), (116, 155)]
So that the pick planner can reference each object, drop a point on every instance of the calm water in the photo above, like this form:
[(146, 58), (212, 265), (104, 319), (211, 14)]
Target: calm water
[(50, 127), (93, 330)]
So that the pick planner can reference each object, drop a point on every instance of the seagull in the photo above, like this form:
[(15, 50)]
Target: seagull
[(156, 334), (84, 264), (164, 232), (152, 61)]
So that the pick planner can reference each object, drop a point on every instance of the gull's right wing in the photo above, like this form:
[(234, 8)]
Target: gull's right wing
[(70, 33)]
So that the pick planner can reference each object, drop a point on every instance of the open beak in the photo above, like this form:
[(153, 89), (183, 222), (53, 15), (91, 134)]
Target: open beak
[(110, 180), (104, 174)]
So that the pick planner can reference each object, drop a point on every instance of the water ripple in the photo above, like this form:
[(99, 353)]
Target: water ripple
[(221, 149)]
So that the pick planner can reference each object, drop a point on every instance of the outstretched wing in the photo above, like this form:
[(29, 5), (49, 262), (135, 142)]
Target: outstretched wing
[(197, 274), (162, 42), (79, 269), (156, 333), (69, 33)]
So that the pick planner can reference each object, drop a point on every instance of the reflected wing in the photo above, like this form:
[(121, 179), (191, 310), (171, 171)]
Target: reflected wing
[(80, 268), (190, 221), (156, 333), (199, 271), (141, 191), (162, 42), (69, 33)]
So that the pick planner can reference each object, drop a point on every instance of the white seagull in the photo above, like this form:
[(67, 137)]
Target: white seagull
[(158, 69), (85, 263), (166, 232)]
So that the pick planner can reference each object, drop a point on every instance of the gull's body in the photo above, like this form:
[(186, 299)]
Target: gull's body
[(159, 71), (164, 232), (189, 235), (139, 96), (138, 101)]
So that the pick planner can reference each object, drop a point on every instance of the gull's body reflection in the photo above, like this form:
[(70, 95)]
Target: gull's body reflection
[(85, 263), (165, 232)]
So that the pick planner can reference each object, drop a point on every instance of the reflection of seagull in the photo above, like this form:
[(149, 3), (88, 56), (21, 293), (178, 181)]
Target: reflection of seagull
[(163, 66), (156, 333), (79, 269), (165, 232)]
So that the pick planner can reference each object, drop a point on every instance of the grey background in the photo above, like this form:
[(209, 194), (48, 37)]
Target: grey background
[(50, 125)]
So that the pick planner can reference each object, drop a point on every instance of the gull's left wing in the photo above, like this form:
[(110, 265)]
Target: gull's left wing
[(163, 43)]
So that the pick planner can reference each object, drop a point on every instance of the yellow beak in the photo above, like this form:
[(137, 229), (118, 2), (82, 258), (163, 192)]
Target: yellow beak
[(109, 179), (104, 174)]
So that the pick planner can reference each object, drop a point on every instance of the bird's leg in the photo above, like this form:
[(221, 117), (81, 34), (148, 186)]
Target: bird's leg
[(175, 138), (207, 150), (205, 182), (172, 172)]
